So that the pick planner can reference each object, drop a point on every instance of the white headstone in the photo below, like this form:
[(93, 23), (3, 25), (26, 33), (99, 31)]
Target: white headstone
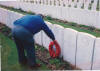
[(96, 58), (13, 16), (48, 2), (57, 3), (94, 6), (3, 15), (42, 2), (59, 32), (61, 2), (69, 49), (86, 3), (8, 17), (38, 38), (80, 3), (65, 13), (75, 3), (98, 21), (85, 44)]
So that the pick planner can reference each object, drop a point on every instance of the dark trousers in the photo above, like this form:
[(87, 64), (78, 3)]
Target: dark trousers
[(24, 43)]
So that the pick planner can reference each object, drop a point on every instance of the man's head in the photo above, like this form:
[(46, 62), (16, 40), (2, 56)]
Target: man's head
[(41, 15)]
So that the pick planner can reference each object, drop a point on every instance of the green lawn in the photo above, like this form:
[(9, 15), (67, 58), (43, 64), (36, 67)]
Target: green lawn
[(80, 28), (9, 56)]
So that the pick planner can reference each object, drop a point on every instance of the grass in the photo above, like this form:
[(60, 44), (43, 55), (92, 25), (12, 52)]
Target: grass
[(80, 28), (9, 56)]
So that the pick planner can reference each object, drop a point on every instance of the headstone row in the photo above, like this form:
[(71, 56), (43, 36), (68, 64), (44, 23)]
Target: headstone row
[(78, 48)]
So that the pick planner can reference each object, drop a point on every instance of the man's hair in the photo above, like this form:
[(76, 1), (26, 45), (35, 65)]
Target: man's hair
[(41, 15)]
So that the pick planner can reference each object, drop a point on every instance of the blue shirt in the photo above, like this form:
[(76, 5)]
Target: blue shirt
[(34, 23)]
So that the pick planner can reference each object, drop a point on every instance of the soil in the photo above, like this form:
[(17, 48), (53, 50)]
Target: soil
[(5, 30), (45, 58)]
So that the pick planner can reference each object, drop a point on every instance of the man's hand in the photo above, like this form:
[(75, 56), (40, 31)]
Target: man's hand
[(55, 42)]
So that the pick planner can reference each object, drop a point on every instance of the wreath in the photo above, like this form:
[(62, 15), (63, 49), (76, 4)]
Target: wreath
[(53, 53)]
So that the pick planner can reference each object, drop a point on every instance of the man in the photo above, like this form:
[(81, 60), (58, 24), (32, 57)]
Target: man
[(24, 30)]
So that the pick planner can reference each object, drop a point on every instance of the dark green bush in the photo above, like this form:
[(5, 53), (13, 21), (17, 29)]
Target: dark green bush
[(72, 24), (91, 28), (49, 18)]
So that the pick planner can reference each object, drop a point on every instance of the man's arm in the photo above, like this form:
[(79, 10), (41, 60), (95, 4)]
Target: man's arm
[(46, 29)]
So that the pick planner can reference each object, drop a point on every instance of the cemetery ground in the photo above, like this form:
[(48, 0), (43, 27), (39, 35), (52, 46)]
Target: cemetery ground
[(9, 58)]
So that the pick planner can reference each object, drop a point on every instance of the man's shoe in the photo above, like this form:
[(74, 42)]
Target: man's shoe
[(37, 65), (24, 62)]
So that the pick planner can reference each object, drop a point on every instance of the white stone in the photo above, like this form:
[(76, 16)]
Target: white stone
[(85, 44), (98, 21), (59, 32), (94, 6), (70, 37), (65, 13), (23, 6), (96, 58), (8, 17), (38, 38), (54, 10), (73, 15), (59, 12), (12, 16), (79, 4), (3, 16)]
